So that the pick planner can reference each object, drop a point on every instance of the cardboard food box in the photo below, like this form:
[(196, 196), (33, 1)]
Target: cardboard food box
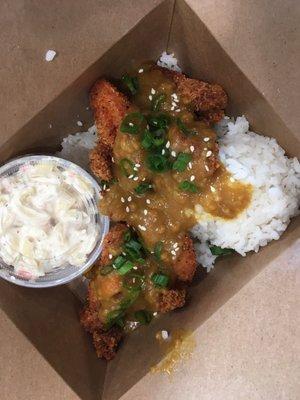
[(248, 48)]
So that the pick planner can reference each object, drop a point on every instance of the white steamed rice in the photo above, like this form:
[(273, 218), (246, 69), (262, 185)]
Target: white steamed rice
[(251, 158), (260, 161)]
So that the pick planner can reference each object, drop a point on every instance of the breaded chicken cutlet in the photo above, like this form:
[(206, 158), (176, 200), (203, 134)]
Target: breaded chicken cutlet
[(106, 293), (156, 153)]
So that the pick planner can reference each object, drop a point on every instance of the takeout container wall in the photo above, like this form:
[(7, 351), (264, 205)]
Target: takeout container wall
[(49, 318)]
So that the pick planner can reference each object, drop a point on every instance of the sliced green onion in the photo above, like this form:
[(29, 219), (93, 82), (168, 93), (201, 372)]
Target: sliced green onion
[(160, 280), (182, 162), (106, 270), (130, 298), (127, 166), (142, 188), (115, 317), (219, 251), (118, 262), (157, 101), (187, 186), (158, 162), (125, 268), (184, 129), (127, 235), (147, 140), (133, 123), (132, 83), (159, 121), (133, 249), (157, 250), (144, 317)]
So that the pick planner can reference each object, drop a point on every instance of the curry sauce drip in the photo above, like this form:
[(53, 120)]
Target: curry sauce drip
[(167, 210)]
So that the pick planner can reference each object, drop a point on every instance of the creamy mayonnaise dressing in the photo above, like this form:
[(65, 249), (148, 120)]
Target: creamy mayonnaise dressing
[(45, 219)]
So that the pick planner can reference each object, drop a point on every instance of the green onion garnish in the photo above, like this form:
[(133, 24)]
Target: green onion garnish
[(144, 317), (107, 269), (160, 280), (158, 121), (157, 250), (115, 317), (154, 138), (118, 262), (142, 188), (127, 235), (218, 251), (157, 101), (134, 250), (158, 163), (187, 186), (182, 161), (127, 166), (147, 141), (125, 268), (133, 123), (130, 298), (184, 129), (132, 83)]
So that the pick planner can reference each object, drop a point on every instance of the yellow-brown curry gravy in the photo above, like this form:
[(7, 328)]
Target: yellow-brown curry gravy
[(167, 210)]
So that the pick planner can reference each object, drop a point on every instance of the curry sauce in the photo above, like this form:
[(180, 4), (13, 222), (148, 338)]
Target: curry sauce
[(159, 200)]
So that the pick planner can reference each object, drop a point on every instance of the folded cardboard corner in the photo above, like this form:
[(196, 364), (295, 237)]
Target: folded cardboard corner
[(49, 318)]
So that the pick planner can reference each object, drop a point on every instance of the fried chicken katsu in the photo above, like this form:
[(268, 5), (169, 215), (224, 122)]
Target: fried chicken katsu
[(113, 291), (158, 157)]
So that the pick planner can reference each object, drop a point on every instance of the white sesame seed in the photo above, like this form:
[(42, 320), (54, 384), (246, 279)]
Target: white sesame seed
[(192, 148), (135, 168), (141, 70), (206, 139), (150, 97), (209, 153), (192, 178), (49, 56), (108, 189), (155, 314), (173, 252), (212, 189), (190, 165), (164, 335), (104, 186), (130, 124), (175, 244), (79, 123), (122, 200), (163, 152), (127, 209), (152, 91), (173, 153), (148, 201), (172, 108), (110, 256), (142, 227), (145, 212), (174, 104), (137, 165), (135, 267), (178, 110), (136, 178), (168, 144), (206, 167), (112, 159), (129, 198), (130, 176)]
